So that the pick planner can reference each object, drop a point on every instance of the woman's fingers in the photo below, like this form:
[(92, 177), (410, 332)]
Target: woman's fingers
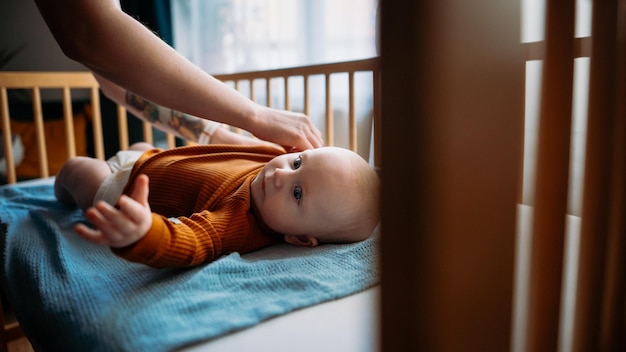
[(310, 137), (292, 130)]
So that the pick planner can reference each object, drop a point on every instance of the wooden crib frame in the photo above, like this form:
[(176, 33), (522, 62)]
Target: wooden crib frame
[(66, 81), (452, 145)]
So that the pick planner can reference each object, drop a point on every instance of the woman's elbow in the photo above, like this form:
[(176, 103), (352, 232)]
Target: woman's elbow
[(84, 50), (75, 29), (73, 49)]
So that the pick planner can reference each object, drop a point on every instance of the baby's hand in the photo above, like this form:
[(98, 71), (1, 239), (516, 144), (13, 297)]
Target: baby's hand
[(119, 227)]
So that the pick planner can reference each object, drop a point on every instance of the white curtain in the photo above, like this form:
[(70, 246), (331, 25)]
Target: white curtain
[(226, 36)]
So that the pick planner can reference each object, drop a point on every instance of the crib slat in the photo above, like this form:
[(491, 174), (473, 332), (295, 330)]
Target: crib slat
[(6, 136), (68, 118), (329, 118), (287, 100), (596, 197), (351, 112), (147, 133), (97, 124), (378, 125), (613, 325), (171, 141), (237, 87), (305, 83), (41, 138), (268, 92), (548, 237), (252, 92), (122, 126)]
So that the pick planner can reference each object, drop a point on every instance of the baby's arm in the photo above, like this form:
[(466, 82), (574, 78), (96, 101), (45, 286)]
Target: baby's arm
[(122, 226)]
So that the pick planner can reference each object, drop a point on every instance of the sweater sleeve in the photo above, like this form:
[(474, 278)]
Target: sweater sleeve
[(188, 241)]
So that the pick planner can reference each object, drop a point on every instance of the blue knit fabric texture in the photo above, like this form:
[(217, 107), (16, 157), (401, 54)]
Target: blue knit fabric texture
[(72, 295)]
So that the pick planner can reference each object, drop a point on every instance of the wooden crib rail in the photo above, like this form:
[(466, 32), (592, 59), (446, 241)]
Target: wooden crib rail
[(66, 82), (35, 81), (350, 67)]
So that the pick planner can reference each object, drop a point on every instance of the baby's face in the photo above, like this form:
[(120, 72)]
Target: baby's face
[(297, 193)]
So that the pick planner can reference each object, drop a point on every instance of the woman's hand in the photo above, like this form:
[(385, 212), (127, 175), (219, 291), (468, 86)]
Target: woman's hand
[(122, 226), (223, 135), (292, 130)]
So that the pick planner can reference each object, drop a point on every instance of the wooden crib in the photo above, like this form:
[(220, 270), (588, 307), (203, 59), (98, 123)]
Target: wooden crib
[(453, 178), (68, 82), (454, 104)]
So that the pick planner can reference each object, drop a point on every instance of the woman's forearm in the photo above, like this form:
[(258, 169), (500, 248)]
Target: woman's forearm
[(179, 124), (115, 46)]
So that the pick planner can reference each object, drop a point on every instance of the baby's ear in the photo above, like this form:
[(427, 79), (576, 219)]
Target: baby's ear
[(301, 240)]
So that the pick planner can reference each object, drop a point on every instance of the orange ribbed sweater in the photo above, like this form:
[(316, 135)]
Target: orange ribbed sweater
[(201, 203)]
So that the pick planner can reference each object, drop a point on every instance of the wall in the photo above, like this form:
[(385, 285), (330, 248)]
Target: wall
[(23, 30)]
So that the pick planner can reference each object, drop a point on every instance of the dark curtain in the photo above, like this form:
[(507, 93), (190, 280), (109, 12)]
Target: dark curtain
[(154, 14)]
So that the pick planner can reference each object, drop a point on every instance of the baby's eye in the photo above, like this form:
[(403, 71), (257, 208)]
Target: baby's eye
[(297, 162), (297, 193)]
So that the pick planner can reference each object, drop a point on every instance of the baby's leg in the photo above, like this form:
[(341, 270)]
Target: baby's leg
[(79, 179)]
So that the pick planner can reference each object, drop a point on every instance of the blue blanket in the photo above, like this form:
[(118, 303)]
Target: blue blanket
[(71, 295)]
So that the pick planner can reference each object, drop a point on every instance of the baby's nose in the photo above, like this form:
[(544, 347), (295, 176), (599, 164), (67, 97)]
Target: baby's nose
[(279, 177)]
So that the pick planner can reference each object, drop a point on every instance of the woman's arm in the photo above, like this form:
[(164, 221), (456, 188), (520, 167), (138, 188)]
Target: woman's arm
[(113, 45), (179, 124)]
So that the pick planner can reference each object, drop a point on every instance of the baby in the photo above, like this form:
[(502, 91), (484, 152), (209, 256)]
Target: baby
[(210, 200)]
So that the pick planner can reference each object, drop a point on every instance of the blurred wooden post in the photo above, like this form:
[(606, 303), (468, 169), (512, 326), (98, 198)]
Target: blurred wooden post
[(600, 152), (613, 325), (548, 236), (452, 110)]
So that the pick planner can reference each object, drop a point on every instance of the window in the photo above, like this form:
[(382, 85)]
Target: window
[(226, 36)]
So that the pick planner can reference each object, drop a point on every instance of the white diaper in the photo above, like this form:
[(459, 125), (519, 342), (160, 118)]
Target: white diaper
[(121, 166)]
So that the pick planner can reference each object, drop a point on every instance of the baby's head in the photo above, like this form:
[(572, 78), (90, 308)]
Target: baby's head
[(324, 195)]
